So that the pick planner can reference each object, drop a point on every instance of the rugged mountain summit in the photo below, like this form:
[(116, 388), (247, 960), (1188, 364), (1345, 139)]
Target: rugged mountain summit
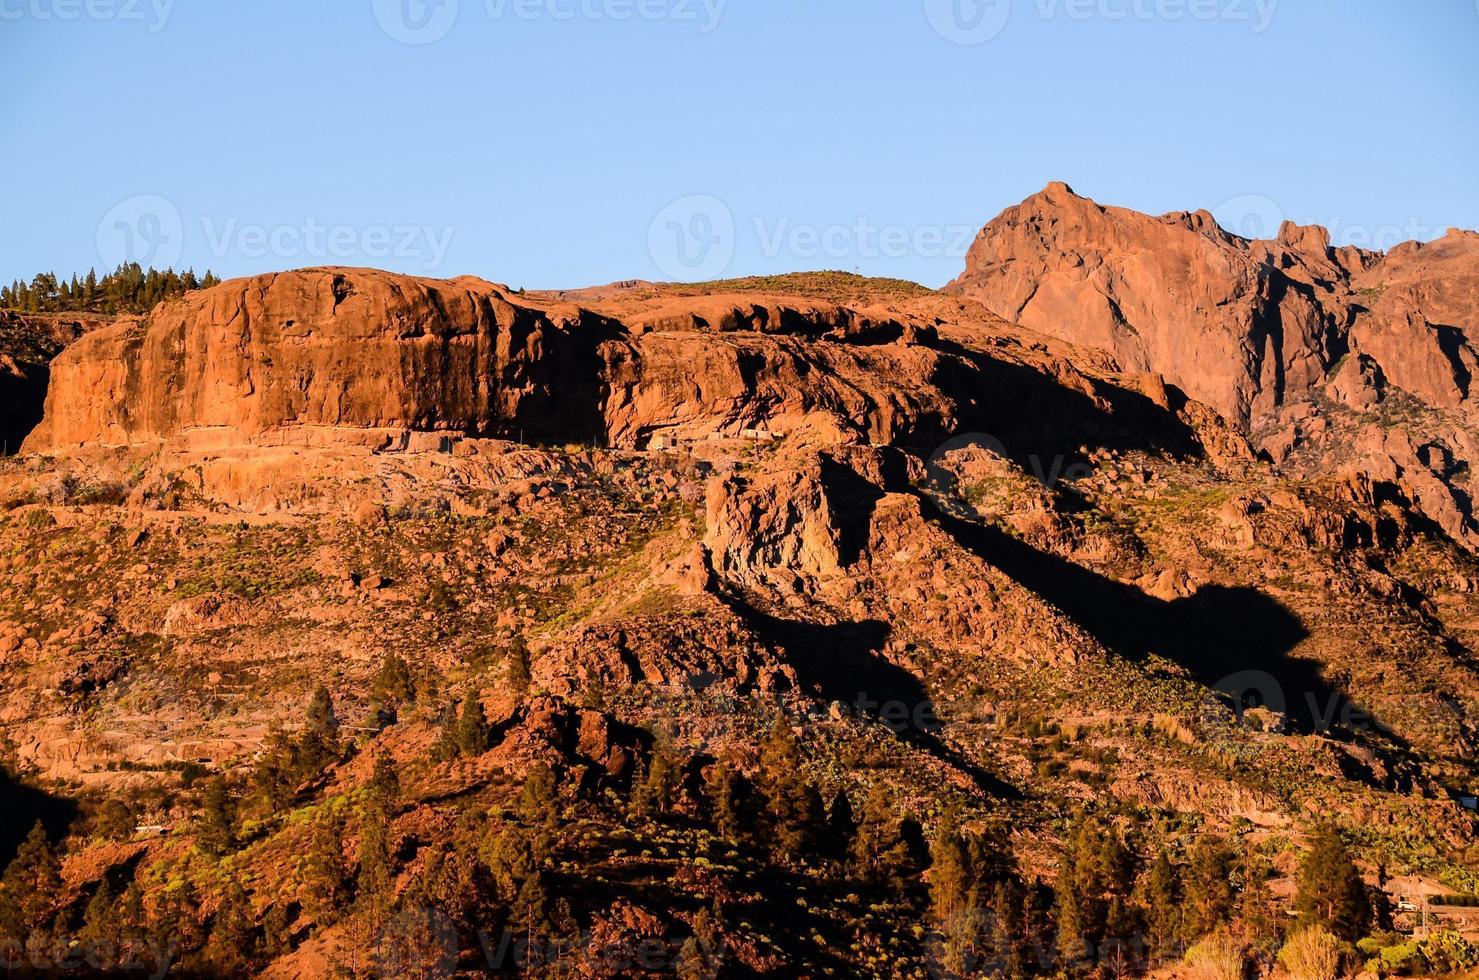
[(1279, 336)]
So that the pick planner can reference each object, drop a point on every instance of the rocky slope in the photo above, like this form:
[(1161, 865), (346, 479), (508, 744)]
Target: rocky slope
[(1004, 569)]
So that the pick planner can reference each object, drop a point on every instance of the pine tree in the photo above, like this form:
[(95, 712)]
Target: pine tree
[(393, 687), (518, 670), (233, 942), (656, 790), (1163, 907), (318, 746), (177, 919), (728, 795), (842, 827), (277, 930), (114, 820), (1209, 892), (132, 923), (1256, 913), (1006, 916), (324, 881), (375, 881), (445, 749), (215, 829), (1094, 888), (275, 778), (880, 852), (383, 791), (538, 804), (472, 733), (1074, 940), (514, 860), (453, 880), (950, 878), (100, 934), (1330, 890), (30, 889)]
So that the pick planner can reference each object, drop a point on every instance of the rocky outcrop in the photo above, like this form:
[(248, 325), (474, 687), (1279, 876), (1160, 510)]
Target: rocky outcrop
[(1419, 317), (1270, 333), (1233, 323), (326, 357), (1246, 326), (330, 347)]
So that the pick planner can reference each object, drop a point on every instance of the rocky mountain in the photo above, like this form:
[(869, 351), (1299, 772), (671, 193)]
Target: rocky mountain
[(367, 623), (1278, 336)]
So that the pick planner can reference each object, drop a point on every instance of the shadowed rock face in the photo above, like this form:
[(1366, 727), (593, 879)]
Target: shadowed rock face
[(1245, 326), (27, 345), (342, 354)]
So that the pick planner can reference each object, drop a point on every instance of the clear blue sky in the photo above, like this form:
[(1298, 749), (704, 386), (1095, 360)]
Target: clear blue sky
[(546, 150)]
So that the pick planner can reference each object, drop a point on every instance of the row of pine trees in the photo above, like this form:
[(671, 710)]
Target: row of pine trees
[(1109, 910), (128, 289)]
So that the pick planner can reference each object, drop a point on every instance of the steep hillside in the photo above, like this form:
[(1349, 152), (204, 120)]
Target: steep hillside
[(361, 623)]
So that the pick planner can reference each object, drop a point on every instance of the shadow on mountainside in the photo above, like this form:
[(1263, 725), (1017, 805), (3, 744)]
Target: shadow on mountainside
[(842, 662), (1036, 415), (22, 399), (1232, 640), (24, 805)]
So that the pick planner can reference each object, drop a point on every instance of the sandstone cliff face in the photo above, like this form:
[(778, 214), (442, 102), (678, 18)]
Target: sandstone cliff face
[(327, 347), (342, 356)]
